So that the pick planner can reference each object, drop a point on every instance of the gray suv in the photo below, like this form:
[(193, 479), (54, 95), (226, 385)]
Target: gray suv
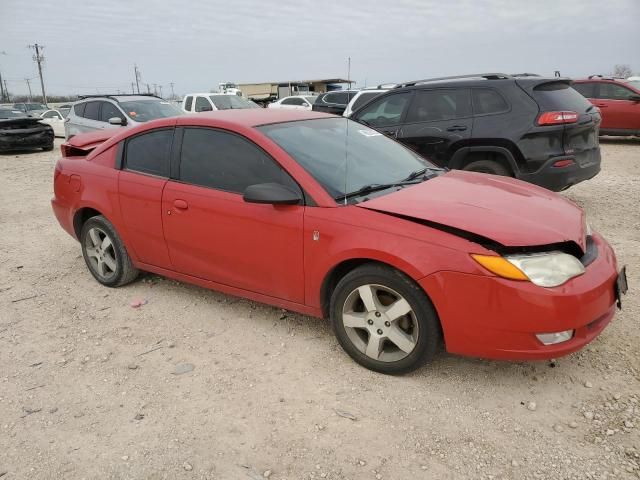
[(96, 112)]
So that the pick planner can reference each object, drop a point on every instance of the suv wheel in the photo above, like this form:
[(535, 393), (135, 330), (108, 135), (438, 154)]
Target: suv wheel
[(488, 166), (105, 254), (383, 320)]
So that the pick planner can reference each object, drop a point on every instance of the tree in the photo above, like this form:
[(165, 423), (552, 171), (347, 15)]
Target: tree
[(622, 71)]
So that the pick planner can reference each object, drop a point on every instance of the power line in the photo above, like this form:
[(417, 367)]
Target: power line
[(39, 59)]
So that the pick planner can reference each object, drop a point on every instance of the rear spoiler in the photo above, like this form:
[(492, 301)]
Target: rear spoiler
[(83, 144), (530, 83)]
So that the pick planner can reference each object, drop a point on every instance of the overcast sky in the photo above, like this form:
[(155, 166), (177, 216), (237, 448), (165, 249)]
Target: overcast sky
[(91, 46)]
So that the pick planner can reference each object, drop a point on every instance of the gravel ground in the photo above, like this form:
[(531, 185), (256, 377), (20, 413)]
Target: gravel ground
[(199, 385)]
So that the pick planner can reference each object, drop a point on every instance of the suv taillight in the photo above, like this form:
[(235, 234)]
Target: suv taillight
[(557, 118)]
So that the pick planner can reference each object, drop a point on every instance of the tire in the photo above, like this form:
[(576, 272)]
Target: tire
[(488, 166), (109, 264), (47, 149), (362, 331)]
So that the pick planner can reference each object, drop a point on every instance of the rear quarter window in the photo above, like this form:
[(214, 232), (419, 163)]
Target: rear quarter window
[(587, 90), (364, 98), (92, 111), (487, 101), (560, 96), (78, 109)]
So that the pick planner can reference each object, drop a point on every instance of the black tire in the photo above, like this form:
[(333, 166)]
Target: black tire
[(429, 336), (124, 271), (488, 166)]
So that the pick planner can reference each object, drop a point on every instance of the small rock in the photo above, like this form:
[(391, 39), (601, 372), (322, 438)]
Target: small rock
[(617, 396), (171, 344), (344, 414), (187, 466), (558, 428), (132, 366), (378, 476), (588, 415), (362, 463), (610, 432), (588, 385), (182, 368), (266, 474), (514, 463), (139, 416), (532, 406), (53, 410), (573, 424), (424, 467), (125, 457), (628, 424)]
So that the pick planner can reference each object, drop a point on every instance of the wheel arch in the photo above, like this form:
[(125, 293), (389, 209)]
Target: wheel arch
[(81, 216), (499, 153), (339, 270)]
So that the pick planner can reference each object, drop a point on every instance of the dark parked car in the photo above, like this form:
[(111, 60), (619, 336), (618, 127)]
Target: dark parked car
[(19, 131), (333, 102), (532, 128)]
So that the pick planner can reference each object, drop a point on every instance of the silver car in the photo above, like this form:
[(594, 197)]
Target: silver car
[(96, 112)]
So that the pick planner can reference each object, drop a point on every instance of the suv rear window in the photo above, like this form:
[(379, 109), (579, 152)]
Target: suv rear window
[(486, 101), (78, 109), (560, 96), (434, 105), (92, 111)]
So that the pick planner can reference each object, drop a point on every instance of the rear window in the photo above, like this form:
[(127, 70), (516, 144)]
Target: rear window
[(364, 98), (560, 96), (78, 109), (339, 98), (486, 101), (92, 111)]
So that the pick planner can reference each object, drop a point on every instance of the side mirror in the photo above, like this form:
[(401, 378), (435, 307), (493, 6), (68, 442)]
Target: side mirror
[(272, 193), (117, 121), (634, 98)]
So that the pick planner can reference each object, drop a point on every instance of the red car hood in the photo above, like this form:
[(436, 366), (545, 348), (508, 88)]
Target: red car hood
[(507, 211)]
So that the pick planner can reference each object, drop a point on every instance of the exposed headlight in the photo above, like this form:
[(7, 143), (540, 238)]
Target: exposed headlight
[(546, 269), (553, 338)]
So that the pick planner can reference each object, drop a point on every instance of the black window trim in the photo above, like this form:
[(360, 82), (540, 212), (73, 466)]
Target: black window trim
[(121, 154), (473, 107), (596, 88), (176, 157), (99, 102)]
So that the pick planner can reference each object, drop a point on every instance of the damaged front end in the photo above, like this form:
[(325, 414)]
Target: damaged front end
[(25, 133)]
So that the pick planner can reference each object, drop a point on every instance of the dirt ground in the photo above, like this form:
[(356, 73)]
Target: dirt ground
[(91, 388)]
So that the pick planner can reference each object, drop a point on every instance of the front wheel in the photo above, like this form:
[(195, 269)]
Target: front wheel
[(105, 253), (383, 320), (488, 166)]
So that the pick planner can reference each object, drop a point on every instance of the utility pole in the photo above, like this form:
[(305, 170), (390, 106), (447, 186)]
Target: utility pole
[(161, 90), (137, 75), (6, 90), (133, 87), (173, 95), (155, 89), (349, 72), (2, 98), (148, 89), (29, 86), (39, 58)]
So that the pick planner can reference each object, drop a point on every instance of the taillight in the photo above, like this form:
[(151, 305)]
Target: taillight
[(64, 149), (563, 163), (557, 118)]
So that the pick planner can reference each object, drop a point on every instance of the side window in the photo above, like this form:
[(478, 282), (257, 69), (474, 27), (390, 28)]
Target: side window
[(188, 102), (611, 91), (587, 89), (362, 99), (92, 111), (339, 98), (203, 105), (109, 110), (50, 114), (293, 101), (149, 152), (386, 111), (78, 109), (225, 161), (434, 105), (487, 101)]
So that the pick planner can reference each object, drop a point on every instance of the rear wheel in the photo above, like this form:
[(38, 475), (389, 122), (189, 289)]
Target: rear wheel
[(105, 253), (383, 320), (488, 166)]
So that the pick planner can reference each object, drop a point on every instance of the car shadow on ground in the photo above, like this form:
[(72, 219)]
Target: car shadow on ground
[(620, 140)]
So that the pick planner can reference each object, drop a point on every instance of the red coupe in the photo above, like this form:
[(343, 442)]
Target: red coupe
[(324, 216)]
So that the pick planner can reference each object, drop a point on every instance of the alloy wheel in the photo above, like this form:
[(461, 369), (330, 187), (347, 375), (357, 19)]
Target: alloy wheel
[(101, 253), (380, 323)]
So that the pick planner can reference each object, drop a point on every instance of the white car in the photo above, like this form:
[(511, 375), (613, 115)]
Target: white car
[(207, 102), (55, 118), (360, 98), (294, 103)]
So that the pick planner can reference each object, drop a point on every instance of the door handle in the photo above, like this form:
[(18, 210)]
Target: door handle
[(180, 204), (457, 128)]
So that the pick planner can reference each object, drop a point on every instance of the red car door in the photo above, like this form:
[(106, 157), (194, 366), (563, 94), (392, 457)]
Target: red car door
[(618, 111), (212, 233), (144, 174)]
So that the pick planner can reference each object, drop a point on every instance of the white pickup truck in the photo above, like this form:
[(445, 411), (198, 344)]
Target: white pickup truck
[(207, 102)]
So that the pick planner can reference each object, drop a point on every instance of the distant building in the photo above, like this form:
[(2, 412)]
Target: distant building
[(267, 91)]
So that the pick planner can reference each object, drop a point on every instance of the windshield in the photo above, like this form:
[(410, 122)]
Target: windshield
[(634, 83), (344, 156), (145, 110), (311, 100), (10, 114), (35, 106), (228, 102)]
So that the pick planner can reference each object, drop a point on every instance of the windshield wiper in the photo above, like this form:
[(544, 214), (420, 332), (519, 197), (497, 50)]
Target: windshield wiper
[(375, 187)]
